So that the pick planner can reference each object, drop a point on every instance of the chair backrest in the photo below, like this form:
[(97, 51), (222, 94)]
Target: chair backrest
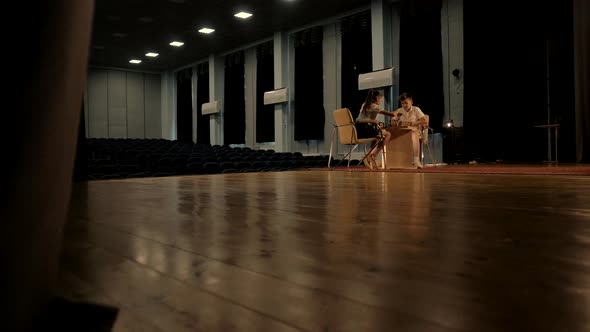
[(345, 123)]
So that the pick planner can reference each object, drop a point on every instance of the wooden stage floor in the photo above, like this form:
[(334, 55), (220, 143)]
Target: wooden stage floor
[(333, 251)]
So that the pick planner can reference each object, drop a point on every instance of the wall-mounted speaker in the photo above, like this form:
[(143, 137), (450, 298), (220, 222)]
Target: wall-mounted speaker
[(211, 107), (376, 79), (276, 96)]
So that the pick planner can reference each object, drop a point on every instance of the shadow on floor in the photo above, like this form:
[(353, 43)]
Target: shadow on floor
[(66, 315)]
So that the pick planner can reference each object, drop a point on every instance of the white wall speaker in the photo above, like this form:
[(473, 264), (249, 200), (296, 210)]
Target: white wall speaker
[(211, 107), (376, 79), (276, 96)]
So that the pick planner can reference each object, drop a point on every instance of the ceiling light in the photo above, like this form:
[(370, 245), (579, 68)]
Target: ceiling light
[(135, 61), (153, 55), (206, 30), (176, 43), (243, 15)]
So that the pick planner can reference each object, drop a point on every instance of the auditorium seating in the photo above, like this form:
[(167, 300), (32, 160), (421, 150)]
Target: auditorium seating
[(125, 158)]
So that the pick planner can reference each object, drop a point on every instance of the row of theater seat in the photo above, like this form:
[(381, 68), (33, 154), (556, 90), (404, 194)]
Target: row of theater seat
[(122, 158)]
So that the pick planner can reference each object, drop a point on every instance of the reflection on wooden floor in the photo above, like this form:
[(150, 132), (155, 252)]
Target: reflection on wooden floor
[(334, 251), (517, 169)]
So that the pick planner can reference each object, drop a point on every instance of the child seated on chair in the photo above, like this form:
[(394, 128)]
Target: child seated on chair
[(367, 125), (410, 116)]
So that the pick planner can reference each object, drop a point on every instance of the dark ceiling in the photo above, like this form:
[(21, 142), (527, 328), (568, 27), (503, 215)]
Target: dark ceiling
[(127, 29)]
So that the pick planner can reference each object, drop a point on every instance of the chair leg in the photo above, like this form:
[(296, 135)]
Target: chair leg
[(382, 145), (422, 151), (331, 144), (352, 148), (349, 156)]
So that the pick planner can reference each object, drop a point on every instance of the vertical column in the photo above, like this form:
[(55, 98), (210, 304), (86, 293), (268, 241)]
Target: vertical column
[(168, 106), (194, 83), (452, 45), (250, 95), (382, 44), (216, 85), (381, 34), (281, 78), (395, 54), (331, 57)]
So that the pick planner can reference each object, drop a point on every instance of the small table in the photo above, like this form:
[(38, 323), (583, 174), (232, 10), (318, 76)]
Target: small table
[(399, 148), (554, 126)]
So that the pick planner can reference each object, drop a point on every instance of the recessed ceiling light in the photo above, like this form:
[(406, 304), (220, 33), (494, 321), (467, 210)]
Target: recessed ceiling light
[(243, 15), (135, 61), (206, 30), (176, 43), (153, 55)]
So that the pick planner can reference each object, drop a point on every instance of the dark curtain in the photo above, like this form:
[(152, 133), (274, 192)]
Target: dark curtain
[(203, 127), (184, 105), (421, 67), (357, 58), (265, 114), (582, 70), (309, 85), (234, 116), (516, 72), (561, 81)]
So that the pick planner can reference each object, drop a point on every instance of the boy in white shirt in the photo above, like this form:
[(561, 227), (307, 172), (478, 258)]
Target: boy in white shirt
[(410, 116)]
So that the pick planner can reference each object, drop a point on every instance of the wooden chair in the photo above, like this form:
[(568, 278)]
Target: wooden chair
[(344, 125)]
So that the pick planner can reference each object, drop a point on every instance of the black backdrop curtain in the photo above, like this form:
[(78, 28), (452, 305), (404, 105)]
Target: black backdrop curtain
[(265, 114), (203, 127), (512, 65), (357, 58), (420, 69), (309, 85), (234, 118), (184, 107)]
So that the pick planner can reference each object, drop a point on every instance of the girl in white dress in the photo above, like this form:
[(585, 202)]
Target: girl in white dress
[(366, 124)]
